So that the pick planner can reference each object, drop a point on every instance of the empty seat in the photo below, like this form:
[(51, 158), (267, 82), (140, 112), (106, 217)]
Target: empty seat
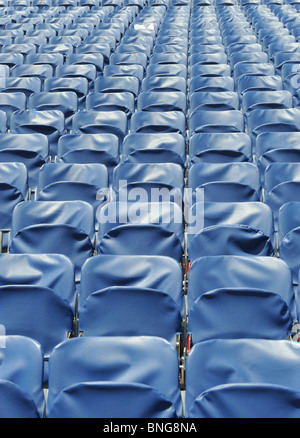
[(214, 101), (64, 101), (89, 148), (225, 182), (234, 272), (216, 121), (55, 227), (14, 190), (272, 120), (94, 59), (253, 82), (281, 182), (151, 147), (111, 101), (129, 59), (210, 70), (135, 70), (236, 228), (164, 177), (159, 122), (10, 102), (162, 101), (152, 389), (211, 83), (50, 123), (106, 84), (167, 70), (152, 228), (96, 122), (164, 83), (44, 287), (227, 363), (30, 149), (208, 58), (247, 400), (78, 85), (103, 48), (272, 147), (219, 147), (288, 240), (52, 59), (26, 85), (73, 181), (255, 68), (168, 58), (106, 312), (252, 99), (241, 56), (87, 71), (149, 272), (41, 71), (21, 373)]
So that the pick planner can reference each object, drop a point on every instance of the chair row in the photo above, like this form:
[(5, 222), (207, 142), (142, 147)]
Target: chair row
[(109, 227), (100, 388), (116, 387)]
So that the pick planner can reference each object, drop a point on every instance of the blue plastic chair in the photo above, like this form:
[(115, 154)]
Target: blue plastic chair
[(49, 122), (156, 148), (55, 227), (32, 151), (144, 376), (219, 147), (21, 378), (233, 357)]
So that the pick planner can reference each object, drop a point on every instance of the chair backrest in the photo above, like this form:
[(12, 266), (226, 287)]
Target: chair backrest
[(211, 83), (53, 271), (10, 102), (106, 84), (162, 101), (73, 181), (118, 101), (21, 376), (96, 122), (135, 70), (94, 59), (68, 225), (150, 272), (237, 179), (14, 189), (149, 175), (131, 359), (220, 147), (238, 271), (214, 101), (89, 148), (159, 122), (29, 149), (150, 147), (233, 358), (64, 101), (229, 239), (153, 313), (261, 99), (216, 121), (50, 123), (240, 400)]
